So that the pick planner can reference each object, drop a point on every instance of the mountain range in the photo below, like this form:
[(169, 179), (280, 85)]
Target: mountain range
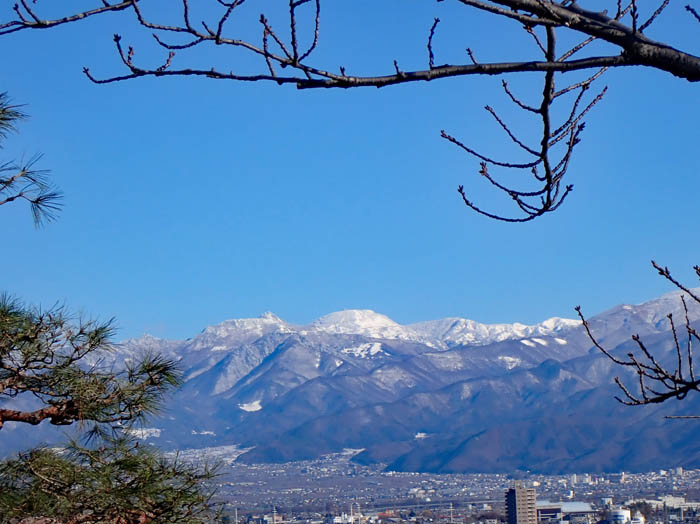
[(449, 395)]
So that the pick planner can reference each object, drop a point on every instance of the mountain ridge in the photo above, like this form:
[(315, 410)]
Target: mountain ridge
[(487, 397)]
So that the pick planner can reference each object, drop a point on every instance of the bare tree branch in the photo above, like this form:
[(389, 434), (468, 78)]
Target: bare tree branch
[(693, 12), (27, 18), (284, 60), (658, 383)]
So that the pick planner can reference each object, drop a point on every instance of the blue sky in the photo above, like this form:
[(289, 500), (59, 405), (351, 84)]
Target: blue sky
[(190, 201)]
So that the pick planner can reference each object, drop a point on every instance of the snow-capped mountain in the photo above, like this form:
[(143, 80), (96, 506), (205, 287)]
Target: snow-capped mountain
[(460, 331), (359, 322), (238, 332), (441, 333), (489, 397)]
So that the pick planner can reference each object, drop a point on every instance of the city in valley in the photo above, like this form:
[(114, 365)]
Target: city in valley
[(335, 490)]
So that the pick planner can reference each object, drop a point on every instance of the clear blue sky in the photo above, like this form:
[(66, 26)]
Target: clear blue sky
[(190, 201)]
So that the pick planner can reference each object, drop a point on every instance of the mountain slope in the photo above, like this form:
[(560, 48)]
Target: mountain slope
[(444, 395)]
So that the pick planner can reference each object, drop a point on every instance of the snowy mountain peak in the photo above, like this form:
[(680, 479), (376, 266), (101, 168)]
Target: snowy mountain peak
[(653, 314), (147, 342), (287, 392), (446, 332), (461, 331), (443, 333), (358, 322), (239, 331), (146, 338), (557, 324), (269, 315), (237, 325)]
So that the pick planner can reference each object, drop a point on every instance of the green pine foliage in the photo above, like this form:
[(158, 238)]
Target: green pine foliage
[(112, 480), (56, 365), (21, 181), (59, 364), (46, 355)]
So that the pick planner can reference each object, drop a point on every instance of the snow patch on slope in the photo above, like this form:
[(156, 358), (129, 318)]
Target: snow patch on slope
[(251, 406), (446, 360), (365, 350), (144, 433), (510, 362)]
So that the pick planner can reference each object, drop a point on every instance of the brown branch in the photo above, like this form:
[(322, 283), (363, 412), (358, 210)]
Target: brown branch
[(222, 21), (37, 23), (693, 12), (634, 44), (664, 272), (529, 29), (517, 101), (689, 347), (577, 85), (527, 165), (493, 113), (58, 415), (317, 25), (331, 80), (654, 15), (547, 97), (569, 124), (576, 48), (550, 195), (431, 56), (670, 384), (286, 54), (510, 13)]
